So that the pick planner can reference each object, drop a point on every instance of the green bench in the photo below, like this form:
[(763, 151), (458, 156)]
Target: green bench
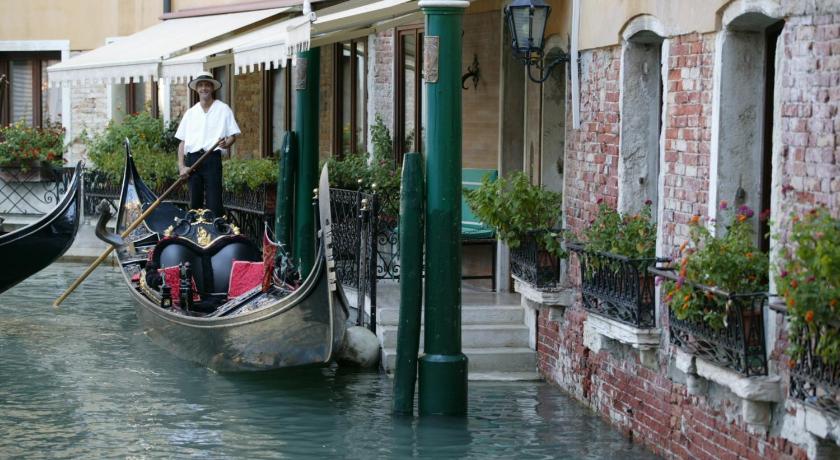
[(473, 231)]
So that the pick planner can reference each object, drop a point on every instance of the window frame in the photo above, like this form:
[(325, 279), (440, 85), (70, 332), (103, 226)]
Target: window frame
[(268, 107), (418, 31), (338, 100), (35, 59)]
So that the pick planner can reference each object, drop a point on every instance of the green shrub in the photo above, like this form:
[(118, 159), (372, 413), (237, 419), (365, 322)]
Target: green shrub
[(515, 207), (239, 174), (809, 281), (632, 236)]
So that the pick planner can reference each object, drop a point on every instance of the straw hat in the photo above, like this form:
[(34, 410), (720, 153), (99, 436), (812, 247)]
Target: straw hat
[(205, 76)]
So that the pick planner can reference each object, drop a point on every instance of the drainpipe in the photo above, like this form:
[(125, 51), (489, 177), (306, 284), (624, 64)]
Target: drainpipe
[(443, 367), (307, 67)]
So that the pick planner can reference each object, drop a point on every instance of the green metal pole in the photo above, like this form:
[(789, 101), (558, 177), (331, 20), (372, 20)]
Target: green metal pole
[(306, 125), (443, 367), (286, 192), (411, 283)]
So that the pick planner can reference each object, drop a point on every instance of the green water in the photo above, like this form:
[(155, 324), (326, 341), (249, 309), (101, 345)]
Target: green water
[(83, 381)]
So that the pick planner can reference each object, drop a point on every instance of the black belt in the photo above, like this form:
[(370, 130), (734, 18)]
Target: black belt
[(201, 152)]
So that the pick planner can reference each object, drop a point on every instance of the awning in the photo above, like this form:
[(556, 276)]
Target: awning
[(140, 55), (184, 67), (342, 22)]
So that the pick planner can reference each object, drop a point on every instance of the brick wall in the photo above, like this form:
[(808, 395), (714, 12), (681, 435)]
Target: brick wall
[(592, 150), (381, 79), (179, 100), (89, 114), (248, 113), (653, 406), (646, 405), (325, 102), (688, 134), (810, 126)]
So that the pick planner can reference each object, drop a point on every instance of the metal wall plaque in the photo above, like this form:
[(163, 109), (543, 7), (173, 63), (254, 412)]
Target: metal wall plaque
[(431, 50), (300, 73)]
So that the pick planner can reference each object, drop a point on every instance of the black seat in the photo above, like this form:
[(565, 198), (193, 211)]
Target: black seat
[(211, 266)]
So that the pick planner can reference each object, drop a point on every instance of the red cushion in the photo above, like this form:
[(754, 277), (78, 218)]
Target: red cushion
[(172, 276), (244, 276)]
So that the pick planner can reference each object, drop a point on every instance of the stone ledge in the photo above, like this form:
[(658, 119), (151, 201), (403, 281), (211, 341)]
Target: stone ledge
[(817, 422), (564, 296), (640, 339), (758, 388), (756, 393)]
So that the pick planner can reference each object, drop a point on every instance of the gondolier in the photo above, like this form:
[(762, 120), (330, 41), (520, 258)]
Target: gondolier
[(206, 122)]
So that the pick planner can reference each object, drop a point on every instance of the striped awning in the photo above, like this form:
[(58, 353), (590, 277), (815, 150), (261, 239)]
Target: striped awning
[(345, 21), (139, 56)]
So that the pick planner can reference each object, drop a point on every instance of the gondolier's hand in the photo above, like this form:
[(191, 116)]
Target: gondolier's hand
[(225, 142), (183, 170)]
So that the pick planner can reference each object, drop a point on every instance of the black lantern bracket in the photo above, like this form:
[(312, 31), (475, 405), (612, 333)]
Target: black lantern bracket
[(526, 21), (472, 73)]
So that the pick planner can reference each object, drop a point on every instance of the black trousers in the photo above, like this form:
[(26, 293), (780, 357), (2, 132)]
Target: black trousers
[(205, 182)]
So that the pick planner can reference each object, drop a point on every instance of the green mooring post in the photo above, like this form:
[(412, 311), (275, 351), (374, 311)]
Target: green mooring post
[(286, 191), (443, 367), (411, 283), (306, 70)]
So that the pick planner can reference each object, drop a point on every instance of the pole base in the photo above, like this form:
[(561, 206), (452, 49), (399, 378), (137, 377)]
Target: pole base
[(443, 385)]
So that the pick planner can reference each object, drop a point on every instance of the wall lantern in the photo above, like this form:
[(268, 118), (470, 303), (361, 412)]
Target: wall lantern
[(526, 20)]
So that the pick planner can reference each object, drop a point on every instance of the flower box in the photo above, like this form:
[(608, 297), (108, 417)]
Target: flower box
[(738, 345), (534, 265), (617, 287)]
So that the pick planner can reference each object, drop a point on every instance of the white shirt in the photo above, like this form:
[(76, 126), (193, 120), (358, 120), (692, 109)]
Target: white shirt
[(200, 130)]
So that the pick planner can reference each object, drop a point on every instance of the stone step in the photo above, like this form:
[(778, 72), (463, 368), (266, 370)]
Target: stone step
[(472, 335), (491, 314), (486, 362)]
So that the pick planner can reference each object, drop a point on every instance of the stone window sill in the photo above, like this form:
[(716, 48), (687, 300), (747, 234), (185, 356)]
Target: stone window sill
[(598, 331), (757, 393), (563, 296), (817, 422)]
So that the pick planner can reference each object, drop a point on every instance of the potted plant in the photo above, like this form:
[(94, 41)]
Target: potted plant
[(808, 278), (717, 291), (524, 216), (614, 256), (29, 153)]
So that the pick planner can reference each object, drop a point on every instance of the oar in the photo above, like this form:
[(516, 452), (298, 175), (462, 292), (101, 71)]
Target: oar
[(135, 224)]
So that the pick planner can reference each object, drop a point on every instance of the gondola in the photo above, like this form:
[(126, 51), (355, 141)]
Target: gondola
[(274, 325), (30, 249)]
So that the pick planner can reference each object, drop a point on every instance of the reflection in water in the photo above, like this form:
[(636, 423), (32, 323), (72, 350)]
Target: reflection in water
[(84, 381)]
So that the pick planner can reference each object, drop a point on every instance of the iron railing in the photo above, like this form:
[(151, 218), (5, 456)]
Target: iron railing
[(738, 345), (617, 287), (385, 208), (32, 191), (813, 381), (534, 265)]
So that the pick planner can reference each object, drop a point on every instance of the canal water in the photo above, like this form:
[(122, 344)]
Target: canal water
[(82, 381)]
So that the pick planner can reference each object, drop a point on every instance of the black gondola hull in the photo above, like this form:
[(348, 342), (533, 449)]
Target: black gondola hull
[(32, 248)]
